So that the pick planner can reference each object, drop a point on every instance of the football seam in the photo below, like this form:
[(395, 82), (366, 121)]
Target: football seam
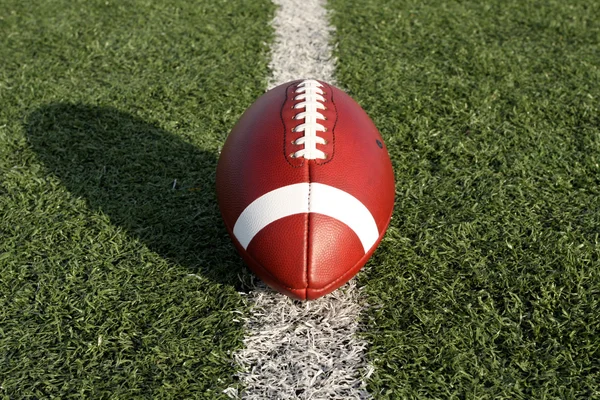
[(307, 258)]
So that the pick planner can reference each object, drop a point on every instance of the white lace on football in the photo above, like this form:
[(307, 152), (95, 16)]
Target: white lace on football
[(311, 94)]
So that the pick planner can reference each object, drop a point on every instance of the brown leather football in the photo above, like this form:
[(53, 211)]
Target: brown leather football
[(306, 188)]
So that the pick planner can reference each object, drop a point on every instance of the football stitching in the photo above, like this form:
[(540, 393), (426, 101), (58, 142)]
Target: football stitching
[(288, 99), (311, 94)]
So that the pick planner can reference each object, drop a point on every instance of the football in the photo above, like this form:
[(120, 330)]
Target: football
[(305, 187)]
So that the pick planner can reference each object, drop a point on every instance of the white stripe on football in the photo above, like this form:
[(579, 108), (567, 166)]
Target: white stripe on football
[(306, 198)]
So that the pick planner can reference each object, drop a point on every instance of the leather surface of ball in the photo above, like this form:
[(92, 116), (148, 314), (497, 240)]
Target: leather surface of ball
[(305, 187)]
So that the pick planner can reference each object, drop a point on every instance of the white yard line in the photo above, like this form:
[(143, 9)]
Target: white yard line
[(302, 47), (307, 350), (304, 350)]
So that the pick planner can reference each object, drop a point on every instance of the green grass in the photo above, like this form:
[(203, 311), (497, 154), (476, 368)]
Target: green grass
[(487, 285), (116, 281)]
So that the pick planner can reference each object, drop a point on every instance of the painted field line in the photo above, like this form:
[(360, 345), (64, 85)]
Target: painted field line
[(297, 350), (302, 43), (305, 350)]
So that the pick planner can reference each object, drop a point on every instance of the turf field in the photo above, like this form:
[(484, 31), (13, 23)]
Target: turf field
[(487, 284), (118, 280)]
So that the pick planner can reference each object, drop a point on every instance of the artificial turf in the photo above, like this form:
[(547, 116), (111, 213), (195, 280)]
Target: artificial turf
[(117, 277), (487, 284)]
